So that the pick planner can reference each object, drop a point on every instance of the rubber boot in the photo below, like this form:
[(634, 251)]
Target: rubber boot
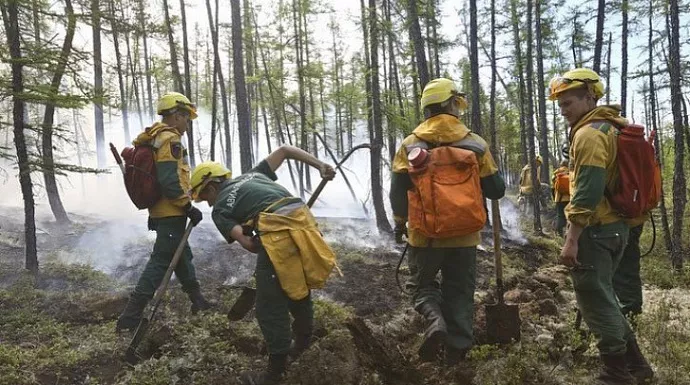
[(302, 330), (277, 364), (638, 366), (615, 371), (131, 316), (435, 333), (199, 303)]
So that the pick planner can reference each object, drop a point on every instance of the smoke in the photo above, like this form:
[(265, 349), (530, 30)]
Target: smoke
[(510, 220)]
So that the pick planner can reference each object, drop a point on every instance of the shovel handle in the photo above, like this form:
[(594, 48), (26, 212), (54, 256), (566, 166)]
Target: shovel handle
[(316, 193), (496, 225), (118, 158)]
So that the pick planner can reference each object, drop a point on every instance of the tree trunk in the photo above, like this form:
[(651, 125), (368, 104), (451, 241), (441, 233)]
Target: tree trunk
[(187, 81), (177, 78), (679, 182), (304, 26), (10, 16), (476, 122), (48, 119), (133, 73), (652, 101), (98, 83), (521, 81), (377, 137), (492, 86), (147, 66), (243, 114), (417, 42), (118, 67), (624, 58), (599, 40), (299, 62), (541, 84), (608, 70), (536, 186)]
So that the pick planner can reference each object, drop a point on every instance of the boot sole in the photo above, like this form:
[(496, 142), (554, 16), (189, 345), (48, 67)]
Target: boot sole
[(431, 346)]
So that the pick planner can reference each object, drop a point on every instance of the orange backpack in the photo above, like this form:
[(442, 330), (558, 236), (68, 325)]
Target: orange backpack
[(562, 183), (446, 200)]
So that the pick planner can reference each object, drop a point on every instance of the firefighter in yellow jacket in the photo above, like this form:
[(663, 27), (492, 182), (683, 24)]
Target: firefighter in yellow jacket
[(597, 234), (168, 216), (292, 257), (448, 307), (561, 194)]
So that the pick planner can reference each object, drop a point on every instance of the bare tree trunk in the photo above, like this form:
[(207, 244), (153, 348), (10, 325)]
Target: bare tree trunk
[(536, 186), (599, 40), (541, 87), (377, 137), (147, 65), (98, 83), (10, 16), (299, 61), (242, 105), (492, 87), (608, 70), (177, 78), (476, 122), (624, 58), (679, 182), (187, 81), (118, 67), (521, 80), (48, 119), (417, 42), (133, 72)]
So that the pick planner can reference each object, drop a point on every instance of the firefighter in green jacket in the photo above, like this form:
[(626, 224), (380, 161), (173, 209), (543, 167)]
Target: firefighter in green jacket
[(168, 216), (597, 234), (292, 257), (449, 306)]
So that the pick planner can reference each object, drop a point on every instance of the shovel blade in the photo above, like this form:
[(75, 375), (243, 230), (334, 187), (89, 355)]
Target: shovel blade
[(243, 304), (502, 323), (131, 354)]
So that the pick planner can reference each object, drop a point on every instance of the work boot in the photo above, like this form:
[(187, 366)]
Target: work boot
[(435, 333), (199, 303), (615, 371), (638, 366), (302, 330), (131, 316), (277, 364), (454, 355)]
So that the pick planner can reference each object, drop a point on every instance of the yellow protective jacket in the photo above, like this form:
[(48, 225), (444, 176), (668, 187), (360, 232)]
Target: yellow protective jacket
[(558, 197), (593, 168), (300, 256), (440, 129), (526, 187), (172, 169)]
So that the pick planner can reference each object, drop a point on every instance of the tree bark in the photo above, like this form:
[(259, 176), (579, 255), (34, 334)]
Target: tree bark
[(299, 61), (521, 80), (541, 84), (174, 65), (377, 137), (536, 186), (48, 119), (118, 67), (98, 83), (243, 114), (608, 70), (599, 40), (417, 42), (10, 16), (476, 122), (187, 81), (147, 64), (679, 182), (624, 57)]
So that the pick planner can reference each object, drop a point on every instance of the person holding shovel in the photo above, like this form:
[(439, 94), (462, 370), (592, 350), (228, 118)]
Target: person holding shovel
[(292, 257), (441, 174), (168, 216), (597, 233)]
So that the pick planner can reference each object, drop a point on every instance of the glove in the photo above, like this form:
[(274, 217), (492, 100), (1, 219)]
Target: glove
[(194, 214), (399, 231)]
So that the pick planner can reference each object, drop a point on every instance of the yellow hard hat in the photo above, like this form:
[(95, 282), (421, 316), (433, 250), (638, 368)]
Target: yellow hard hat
[(173, 100), (203, 174), (579, 77), (441, 89)]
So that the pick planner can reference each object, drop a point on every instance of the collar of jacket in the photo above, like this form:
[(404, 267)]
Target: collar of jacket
[(611, 113), (443, 128), (150, 133)]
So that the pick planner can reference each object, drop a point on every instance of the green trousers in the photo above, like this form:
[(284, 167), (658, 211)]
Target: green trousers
[(599, 253), (560, 217), (626, 281), (169, 232), (454, 292), (273, 308)]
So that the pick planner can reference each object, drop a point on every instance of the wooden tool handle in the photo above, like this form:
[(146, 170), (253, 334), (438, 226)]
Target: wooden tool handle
[(498, 264)]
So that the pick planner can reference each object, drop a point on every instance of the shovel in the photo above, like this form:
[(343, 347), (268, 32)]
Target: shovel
[(245, 302), (131, 354), (502, 320)]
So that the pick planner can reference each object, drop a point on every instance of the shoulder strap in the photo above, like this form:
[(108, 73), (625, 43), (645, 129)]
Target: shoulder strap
[(467, 143)]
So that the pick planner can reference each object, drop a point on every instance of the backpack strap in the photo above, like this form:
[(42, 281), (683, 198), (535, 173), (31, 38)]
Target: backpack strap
[(467, 143)]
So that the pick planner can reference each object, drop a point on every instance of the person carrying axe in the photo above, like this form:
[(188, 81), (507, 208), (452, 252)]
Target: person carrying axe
[(168, 215), (292, 257), (441, 174)]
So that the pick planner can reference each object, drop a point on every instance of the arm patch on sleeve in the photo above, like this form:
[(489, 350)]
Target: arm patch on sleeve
[(176, 150)]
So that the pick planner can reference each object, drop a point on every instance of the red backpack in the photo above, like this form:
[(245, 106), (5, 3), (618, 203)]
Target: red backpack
[(140, 175), (639, 175)]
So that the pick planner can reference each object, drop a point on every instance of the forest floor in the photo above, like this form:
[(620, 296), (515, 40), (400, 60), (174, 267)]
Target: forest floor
[(59, 327)]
